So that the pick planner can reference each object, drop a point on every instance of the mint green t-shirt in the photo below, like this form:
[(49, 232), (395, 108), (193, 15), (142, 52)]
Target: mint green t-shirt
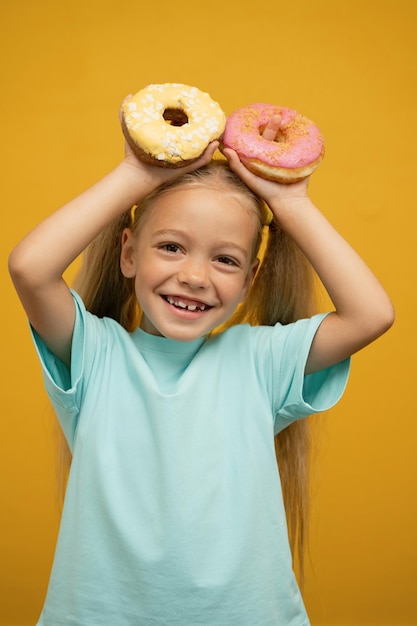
[(173, 514)]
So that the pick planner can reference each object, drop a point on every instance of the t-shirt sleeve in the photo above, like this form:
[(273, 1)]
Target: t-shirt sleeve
[(295, 395), (64, 385)]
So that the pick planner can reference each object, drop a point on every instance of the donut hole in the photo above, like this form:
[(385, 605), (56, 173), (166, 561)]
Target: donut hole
[(280, 137), (175, 117)]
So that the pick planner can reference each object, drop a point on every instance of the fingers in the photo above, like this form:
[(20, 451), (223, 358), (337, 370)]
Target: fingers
[(209, 152), (271, 129), (205, 158), (238, 167), (232, 157)]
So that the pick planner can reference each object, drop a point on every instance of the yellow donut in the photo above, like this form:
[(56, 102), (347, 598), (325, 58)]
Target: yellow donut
[(171, 124)]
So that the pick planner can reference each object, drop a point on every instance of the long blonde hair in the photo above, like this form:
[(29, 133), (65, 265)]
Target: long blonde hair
[(283, 291)]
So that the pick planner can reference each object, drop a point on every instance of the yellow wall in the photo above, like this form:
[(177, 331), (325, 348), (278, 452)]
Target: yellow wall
[(350, 66)]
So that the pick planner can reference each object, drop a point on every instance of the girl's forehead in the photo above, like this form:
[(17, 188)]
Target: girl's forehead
[(220, 204), (205, 213)]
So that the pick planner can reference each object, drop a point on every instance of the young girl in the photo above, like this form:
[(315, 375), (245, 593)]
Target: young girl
[(173, 512)]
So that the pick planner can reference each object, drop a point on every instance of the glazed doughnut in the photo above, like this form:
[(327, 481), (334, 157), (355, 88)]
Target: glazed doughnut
[(171, 124), (295, 154)]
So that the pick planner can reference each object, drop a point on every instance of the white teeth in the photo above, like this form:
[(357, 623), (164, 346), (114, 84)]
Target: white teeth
[(183, 305)]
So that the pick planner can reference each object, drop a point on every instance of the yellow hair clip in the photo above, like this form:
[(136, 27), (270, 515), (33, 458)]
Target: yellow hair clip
[(268, 216)]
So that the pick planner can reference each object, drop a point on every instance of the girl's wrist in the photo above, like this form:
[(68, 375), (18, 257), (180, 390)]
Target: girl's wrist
[(135, 180), (290, 208)]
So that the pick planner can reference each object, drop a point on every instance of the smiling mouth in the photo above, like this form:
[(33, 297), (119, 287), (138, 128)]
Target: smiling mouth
[(191, 305)]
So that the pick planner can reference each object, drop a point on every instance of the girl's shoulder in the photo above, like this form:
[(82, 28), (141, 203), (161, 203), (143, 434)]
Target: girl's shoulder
[(247, 331), (281, 341)]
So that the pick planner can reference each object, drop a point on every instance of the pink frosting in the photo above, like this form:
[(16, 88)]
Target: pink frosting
[(299, 143)]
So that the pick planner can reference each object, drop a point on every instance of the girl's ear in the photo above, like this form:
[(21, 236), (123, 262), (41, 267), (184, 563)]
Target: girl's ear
[(128, 254), (250, 278)]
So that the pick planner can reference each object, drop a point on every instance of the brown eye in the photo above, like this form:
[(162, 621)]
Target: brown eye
[(170, 247), (226, 260)]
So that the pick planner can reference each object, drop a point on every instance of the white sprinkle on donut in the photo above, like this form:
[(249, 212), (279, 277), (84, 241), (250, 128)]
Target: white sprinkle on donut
[(194, 121)]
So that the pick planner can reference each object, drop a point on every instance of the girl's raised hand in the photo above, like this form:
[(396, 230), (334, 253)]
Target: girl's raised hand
[(152, 176), (272, 192)]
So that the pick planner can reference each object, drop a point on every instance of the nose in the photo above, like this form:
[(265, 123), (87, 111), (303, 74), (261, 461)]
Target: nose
[(194, 272)]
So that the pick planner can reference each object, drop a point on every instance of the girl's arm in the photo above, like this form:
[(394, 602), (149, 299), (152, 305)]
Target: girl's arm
[(363, 309), (37, 263)]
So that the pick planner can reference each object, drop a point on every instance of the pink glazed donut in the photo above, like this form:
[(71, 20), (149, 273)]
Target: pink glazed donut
[(296, 152)]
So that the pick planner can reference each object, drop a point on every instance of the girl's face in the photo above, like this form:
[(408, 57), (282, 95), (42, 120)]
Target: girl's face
[(192, 260)]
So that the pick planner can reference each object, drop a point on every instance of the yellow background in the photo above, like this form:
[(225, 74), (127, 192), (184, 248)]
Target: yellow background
[(351, 67)]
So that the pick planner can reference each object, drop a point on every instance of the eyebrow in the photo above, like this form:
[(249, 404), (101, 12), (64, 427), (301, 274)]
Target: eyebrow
[(172, 232), (168, 231)]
